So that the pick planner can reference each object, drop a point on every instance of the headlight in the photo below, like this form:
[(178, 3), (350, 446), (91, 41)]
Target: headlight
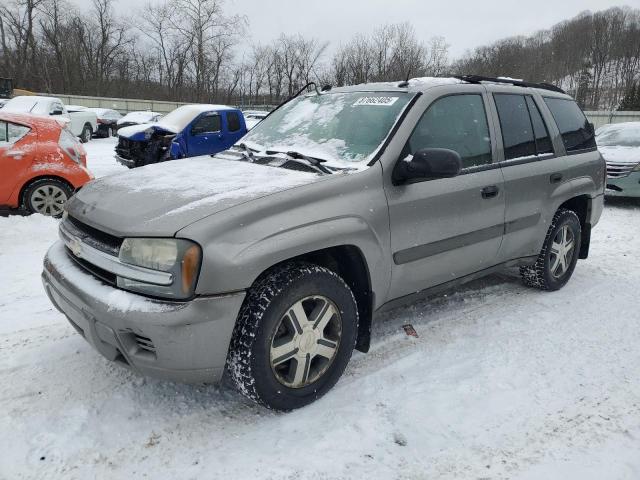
[(181, 258)]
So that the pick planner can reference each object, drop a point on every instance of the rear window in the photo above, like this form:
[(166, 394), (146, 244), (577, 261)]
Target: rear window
[(572, 123), (233, 120)]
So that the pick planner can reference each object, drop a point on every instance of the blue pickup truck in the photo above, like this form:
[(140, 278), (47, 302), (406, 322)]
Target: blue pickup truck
[(188, 131)]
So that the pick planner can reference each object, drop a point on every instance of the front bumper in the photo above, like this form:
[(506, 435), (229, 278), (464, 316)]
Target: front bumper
[(179, 341), (628, 186), (125, 161)]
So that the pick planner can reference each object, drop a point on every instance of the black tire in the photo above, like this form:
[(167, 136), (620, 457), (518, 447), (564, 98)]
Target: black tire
[(87, 131), (113, 131), (541, 275), (30, 202), (249, 362)]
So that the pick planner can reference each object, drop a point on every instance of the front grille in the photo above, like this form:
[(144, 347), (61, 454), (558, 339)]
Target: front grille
[(94, 237), (97, 272), (619, 170)]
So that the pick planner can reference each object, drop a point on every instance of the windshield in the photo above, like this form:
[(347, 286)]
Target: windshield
[(620, 135), (343, 127)]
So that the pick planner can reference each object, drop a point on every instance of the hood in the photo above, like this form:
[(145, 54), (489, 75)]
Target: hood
[(136, 132), (160, 199), (619, 154)]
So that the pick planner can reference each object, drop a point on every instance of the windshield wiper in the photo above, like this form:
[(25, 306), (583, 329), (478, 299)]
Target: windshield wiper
[(314, 162), (247, 153)]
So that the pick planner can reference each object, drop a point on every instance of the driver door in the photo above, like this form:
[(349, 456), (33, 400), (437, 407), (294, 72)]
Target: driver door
[(205, 135), (443, 229)]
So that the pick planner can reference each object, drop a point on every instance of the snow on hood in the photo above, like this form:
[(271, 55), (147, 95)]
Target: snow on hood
[(621, 154), (137, 117), (131, 130), (163, 198)]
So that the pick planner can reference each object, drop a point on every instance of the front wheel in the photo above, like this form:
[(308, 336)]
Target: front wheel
[(294, 336), (559, 255)]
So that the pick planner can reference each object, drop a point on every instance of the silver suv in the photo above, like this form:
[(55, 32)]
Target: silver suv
[(269, 261)]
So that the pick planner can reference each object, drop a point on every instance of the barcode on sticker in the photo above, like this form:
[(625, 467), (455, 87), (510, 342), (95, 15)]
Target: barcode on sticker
[(381, 101)]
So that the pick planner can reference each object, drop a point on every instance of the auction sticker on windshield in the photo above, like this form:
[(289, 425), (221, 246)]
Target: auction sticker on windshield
[(380, 101)]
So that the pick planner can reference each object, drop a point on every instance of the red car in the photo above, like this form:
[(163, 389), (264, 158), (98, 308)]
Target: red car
[(41, 164)]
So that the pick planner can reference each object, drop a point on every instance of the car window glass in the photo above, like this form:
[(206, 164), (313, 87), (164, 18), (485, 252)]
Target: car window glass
[(11, 133), (572, 123), (543, 141), (57, 107), (517, 131), (206, 124), (233, 120), (456, 122)]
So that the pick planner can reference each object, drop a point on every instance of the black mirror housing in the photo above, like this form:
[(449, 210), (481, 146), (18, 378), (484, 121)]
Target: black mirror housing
[(428, 164), (57, 112)]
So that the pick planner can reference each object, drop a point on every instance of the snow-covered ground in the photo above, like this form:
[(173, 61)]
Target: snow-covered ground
[(503, 382)]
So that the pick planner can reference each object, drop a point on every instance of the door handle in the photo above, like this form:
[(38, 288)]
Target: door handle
[(490, 192), (555, 178)]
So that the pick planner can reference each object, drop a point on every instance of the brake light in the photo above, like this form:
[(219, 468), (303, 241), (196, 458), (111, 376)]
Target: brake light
[(70, 146)]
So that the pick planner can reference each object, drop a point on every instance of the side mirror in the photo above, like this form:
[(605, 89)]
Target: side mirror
[(57, 112), (429, 163), (591, 128)]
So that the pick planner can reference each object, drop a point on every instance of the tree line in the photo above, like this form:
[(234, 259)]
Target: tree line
[(194, 51)]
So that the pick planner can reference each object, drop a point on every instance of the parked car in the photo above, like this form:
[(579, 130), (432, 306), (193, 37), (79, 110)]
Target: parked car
[(188, 131), (619, 144), (254, 117), (6, 88), (271, 261), (42, 164), (137, 118), (81, 123)]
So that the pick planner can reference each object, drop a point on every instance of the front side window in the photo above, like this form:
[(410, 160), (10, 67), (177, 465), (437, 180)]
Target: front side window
[(206, 124), (458, 123), (515, 124), (339, 127), (573, 125)]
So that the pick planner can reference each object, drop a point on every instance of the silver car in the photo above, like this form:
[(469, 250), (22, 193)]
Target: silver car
[(270, 261)]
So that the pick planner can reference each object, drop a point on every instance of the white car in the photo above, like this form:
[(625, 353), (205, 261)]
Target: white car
[(107, 119), (82, 123), (138, 118), (254, 117)]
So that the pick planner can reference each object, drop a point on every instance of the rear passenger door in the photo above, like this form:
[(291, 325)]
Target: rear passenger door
[(235, 128), (443, 229), (532, 166)]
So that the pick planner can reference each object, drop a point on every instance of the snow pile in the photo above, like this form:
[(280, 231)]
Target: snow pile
[(503, 382)]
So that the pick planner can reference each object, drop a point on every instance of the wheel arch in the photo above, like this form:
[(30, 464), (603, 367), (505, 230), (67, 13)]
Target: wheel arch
[(350, 264), (32, 180), (581, 206)]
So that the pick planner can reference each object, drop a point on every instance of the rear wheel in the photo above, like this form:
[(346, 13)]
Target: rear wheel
[(47, 197), (85, 136), (559, 255), (294, 336)]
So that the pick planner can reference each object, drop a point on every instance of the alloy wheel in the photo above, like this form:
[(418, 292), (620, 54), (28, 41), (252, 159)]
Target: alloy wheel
[(562, 250), (306, 341)]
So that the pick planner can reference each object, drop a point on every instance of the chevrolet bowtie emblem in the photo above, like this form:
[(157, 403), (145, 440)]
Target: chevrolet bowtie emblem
[(75, 246)]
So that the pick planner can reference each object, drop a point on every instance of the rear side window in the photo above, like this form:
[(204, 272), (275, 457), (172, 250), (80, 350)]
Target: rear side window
[(456, 122), (11, 133), (206, 124), (573, 125), (515, 124), (233, 120), (543, 141)]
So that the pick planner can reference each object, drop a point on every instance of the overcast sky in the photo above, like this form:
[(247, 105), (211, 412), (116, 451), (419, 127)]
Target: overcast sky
[(464, 23)]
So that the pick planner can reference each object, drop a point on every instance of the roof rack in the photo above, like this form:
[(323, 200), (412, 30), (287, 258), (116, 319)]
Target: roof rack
[(509, 81)]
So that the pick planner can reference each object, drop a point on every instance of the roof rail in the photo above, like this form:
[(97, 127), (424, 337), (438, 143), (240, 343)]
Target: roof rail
[(509, 81)]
